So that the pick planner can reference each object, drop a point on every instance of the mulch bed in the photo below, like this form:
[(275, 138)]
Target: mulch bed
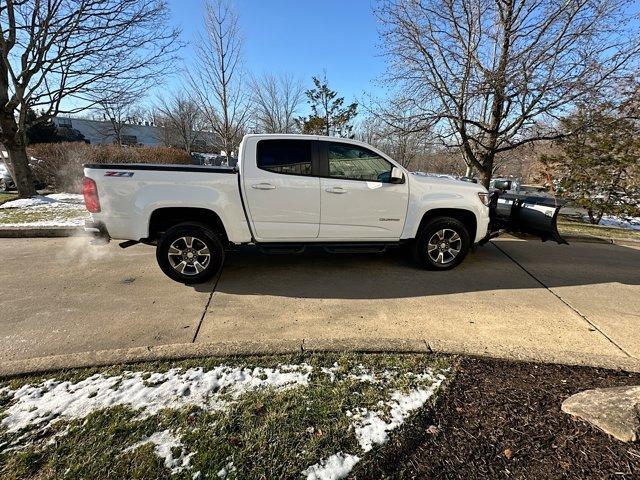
[(503, 420)]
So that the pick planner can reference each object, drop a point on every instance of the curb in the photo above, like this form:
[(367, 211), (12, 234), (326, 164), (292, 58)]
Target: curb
[(587, 239), (40, 232), (271, 347), (610, 241)]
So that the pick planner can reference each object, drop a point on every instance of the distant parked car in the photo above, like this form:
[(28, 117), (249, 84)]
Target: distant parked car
[(6, 182), (213, 160)]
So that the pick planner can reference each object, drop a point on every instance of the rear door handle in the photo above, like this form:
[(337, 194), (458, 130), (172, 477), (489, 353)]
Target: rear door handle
[(263, 186), (336, 190)]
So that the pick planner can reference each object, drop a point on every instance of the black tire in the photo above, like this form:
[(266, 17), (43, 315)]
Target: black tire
[(3, 185), (185, 267), (438, 232)]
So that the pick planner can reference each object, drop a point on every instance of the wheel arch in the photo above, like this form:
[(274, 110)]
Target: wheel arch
[(467, 217), (161, 219)]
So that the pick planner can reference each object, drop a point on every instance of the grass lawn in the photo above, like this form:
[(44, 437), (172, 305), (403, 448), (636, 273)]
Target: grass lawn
[(293, 416), (13, 216), (54, 210), (569, 226), (7, 196)]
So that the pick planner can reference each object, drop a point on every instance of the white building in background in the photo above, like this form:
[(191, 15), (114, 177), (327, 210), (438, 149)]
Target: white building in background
[(144, 133)]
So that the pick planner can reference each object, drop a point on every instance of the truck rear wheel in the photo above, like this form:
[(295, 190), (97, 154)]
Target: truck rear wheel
[(441, 244), (190, 253)]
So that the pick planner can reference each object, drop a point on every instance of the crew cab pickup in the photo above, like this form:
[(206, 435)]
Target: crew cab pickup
[(288, 192)]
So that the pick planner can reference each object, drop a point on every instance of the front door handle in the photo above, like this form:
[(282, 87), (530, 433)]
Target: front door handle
[(336, 190), (263, 186)]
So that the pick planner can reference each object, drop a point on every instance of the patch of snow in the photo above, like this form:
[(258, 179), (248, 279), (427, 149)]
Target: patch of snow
[(333, 468), (331, 371), (632, 223), (364, 375), (226, 470), (59, 209), (42, 404), (371, 429), (67, 197), (40, 200), (165, 442)]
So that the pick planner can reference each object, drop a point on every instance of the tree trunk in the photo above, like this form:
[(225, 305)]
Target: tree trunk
[(18, 164), (469, 172), (485, 177), (20, 170)]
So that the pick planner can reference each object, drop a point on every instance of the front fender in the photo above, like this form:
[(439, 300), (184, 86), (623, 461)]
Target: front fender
[(434, 200)]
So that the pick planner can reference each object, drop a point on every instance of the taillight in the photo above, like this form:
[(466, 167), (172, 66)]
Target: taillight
[(90, 193)]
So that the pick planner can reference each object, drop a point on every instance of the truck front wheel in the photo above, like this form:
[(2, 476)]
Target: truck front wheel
[(190, 253), (441, 244)]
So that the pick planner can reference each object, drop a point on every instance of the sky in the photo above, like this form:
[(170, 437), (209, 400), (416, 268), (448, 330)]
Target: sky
[(302, 38)]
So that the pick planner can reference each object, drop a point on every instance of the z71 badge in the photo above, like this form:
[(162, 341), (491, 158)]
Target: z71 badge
[(118, 174)]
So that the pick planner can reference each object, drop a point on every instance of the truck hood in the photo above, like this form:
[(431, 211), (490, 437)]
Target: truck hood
[(447, 183)]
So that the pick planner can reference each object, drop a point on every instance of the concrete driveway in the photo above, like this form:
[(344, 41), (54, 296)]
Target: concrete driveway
[(63, 303)]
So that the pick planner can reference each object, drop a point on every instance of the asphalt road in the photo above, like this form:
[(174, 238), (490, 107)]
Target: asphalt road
[(512, 298)]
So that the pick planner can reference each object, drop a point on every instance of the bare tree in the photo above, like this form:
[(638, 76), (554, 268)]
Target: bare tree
[(182, 120), (488, 76), (217, 79), (119, 109), (276, 100), (56, 54), (395, 133)]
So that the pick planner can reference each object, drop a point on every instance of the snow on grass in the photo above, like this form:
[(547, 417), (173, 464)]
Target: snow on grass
[(40, 405), (228, 469), (333, 468), (632, 223), (370, 427), (363, 374), (39, 200), (55, 210), (31, 411), (165, 444)]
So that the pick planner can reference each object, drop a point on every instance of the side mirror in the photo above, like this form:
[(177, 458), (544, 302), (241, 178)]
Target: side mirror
[(396, 175), (502, 184)]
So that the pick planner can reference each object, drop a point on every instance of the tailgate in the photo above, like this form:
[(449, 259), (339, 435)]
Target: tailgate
[(525, 214)]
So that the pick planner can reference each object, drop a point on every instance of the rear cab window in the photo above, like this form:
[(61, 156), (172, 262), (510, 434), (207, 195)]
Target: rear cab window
[(285, 156)]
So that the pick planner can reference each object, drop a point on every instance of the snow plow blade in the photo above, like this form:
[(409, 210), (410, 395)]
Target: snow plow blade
[(525, 214)]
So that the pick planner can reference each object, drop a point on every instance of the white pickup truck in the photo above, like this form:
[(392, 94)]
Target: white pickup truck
[(291, 191)]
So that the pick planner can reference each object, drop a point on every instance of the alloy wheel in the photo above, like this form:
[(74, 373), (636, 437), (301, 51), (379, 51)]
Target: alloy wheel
[(444, 246), (189, 255)]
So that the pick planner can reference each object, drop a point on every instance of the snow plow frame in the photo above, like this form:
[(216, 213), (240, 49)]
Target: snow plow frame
[(520, 213)]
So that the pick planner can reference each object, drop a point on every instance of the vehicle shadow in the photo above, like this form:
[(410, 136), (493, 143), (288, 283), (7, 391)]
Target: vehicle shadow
[(499, 266)]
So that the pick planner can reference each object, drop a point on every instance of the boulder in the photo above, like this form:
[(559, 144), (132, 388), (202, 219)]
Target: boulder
[(615, 410)]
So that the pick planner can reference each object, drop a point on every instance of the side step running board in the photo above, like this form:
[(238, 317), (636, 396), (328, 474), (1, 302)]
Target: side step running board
[(285, 248), (356, 249), (282, 249)]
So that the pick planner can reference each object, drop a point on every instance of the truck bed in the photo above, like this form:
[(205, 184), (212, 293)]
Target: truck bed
[(130, 193)]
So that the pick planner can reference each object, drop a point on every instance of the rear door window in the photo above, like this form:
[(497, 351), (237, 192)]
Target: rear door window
[(289, 157)]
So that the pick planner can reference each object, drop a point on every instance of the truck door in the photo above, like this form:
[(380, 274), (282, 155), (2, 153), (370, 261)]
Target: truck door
[(282, 193), (358, 200)]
